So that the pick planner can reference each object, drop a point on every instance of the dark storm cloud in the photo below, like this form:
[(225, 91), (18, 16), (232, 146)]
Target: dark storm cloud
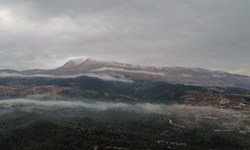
[(212, 34)]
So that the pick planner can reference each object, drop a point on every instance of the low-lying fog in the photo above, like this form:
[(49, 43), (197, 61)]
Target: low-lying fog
[(227, 118), (95, 75), (59, 106), (59, 101), (87, 104)]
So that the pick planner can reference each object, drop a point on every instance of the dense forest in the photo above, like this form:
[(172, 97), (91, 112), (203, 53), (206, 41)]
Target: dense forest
[(64, 128), (89, 87)]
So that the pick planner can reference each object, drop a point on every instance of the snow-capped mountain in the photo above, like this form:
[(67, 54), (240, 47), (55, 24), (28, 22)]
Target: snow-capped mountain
[(127, 72)]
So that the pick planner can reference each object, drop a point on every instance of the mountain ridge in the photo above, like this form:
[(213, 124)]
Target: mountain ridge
[(180, 75)]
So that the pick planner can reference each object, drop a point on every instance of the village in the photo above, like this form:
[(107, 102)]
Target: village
[(225, 101), (225, 112)]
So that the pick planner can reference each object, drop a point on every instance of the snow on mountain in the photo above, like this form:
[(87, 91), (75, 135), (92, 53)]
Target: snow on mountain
[(130, 71), (127, 72), (74, 62)]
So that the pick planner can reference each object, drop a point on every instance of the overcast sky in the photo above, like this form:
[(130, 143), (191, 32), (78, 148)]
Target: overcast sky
[(44, 34)]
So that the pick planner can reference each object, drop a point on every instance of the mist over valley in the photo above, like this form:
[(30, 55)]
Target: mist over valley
[(96, 107)]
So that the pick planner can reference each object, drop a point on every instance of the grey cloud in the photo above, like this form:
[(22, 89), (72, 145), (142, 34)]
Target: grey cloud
[(45, 34)]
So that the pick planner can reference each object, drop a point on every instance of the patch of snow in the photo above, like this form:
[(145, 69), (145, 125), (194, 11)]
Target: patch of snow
[(130, 71), (187, 75), (107, 77), (219, 76), (74, 62), (219, 71)]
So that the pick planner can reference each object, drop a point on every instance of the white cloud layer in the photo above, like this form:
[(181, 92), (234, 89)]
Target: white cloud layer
[(148, 107), (94, 105), (100, 76)]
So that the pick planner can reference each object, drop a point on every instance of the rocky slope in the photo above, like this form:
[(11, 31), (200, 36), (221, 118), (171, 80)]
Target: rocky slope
[(127, 72)]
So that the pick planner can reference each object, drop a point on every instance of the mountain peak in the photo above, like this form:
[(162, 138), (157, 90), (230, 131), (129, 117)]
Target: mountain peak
[(74, 62), (111, 69)]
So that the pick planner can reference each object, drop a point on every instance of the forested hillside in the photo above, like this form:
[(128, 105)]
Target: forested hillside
[(109, 129), (87, 87)]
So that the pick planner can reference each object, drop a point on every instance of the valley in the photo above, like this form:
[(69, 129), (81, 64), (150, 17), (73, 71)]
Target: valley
[(115, 106)]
